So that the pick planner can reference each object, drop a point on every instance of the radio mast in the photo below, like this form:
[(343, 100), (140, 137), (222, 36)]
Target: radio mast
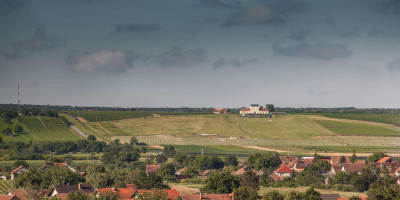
[(19, 98)]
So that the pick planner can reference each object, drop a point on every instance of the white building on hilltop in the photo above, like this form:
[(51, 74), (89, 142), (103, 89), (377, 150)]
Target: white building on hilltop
[(254, 111)]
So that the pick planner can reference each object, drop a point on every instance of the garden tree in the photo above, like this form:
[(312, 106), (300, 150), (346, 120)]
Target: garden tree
[(167, 171), (79, 195), (192, 172), (270, 107), (6, 131), (45, 177), (310, 176), (249, 179), (18, 128), (342, 177), (115, 157), (220, 183), (189, 160), (25, 111), (381, 190), (342, 159), (231, 161), (91, 137), (376, 156), (180, 157), (322, 165), (18, 163), (8, 115), (134, 141), (353, 158), (293, 195), (154, 194), (311, 194), (245, 193), (207, 162), (35, 111), (273, 195), (169, 151), (362, 182), (161, 158), (1, 139), (264, 160), (147, 181)]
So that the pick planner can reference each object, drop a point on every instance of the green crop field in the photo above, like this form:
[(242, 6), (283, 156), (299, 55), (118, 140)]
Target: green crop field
[(110, 127), (347, 128), (393, 119), (94, 116)]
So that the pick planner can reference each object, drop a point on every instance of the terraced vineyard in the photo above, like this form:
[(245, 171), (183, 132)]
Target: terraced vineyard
[(6, 185), (48, 129), (347, 128)]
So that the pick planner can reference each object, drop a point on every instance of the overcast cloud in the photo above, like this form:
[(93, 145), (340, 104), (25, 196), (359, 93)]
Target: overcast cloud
[(221, 53)]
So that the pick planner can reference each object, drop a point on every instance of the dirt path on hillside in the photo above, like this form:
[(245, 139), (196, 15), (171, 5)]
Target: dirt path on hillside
[(82, 119), (389, 126), (253, 147), (76, 129), (156, 146), (104, 129)]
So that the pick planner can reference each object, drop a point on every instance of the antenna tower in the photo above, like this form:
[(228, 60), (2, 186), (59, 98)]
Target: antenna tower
[(19, 97)]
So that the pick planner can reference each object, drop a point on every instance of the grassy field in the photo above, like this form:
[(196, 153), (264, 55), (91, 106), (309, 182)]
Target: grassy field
[(346, 128), (96, 116), (286, 127), (393, 119)]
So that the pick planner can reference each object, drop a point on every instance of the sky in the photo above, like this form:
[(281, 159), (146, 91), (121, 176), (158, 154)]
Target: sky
[(201, 53)]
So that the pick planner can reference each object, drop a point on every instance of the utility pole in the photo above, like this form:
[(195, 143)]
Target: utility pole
[(18, 99), (202, 152)]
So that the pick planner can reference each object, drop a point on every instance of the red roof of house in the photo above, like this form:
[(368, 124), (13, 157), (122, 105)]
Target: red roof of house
[(18, 168), (245, 109), (353, 167), (336, 168), (308, 161), (384, 159), (8, 197), (60, 164), (264, 109), (21, 194), (124, 193), (207, 196), (277, 177), (172, 193), (242, 171), (284, 169), (152, 168), (336, 159), (132, 186), (181, 170), (204, 173)]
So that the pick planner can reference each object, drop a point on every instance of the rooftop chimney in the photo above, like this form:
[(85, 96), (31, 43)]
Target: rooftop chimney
[(201, 196), (80, 186)]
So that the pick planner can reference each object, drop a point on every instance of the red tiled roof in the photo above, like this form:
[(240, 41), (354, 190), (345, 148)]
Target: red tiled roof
[(62, 196), (181, 170), (172, 193), (21, 194), (242, 171), (276, 177), (287, 159), (363, 197), (384, 159), (264, 109), (308, 161), (124, 193), (284, 169), (132, 186), (8, 197), (336, 168), (18, 168), (245, 109), (60, 164), (207, 196), (336, 159), (204, 173), (353, 167), (152, 168)]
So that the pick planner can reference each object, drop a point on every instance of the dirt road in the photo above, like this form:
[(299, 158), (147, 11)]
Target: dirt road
[(76, 129)]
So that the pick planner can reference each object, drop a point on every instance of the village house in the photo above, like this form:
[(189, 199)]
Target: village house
[(255, 111), (220, 111), (124, 193), (152, 168), (388, 162), (181, 171), (204, 174), (242, 170), (335, 160), (2, 176), (17, 171), (9, 197), (61, 190), (353, 167)]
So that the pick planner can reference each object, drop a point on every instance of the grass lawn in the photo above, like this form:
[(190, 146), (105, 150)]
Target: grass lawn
[(6, 185)]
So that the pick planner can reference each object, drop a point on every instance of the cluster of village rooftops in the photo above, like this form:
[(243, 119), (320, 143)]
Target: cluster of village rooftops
[(289, 165)]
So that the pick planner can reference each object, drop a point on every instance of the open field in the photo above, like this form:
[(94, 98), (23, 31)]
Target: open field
[(96, 116), (285, 190), (347, 128), (393, 119)]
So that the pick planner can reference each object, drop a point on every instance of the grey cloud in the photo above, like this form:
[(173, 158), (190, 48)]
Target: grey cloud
[(130, 27), (394, 66), (104, 60), (376, 33), (40, 41), (387, 6), (289, 6), (322, 51), (177, 57), (255, 14), (233, 62), (209, 20), (15, 4), (299, 35), (317, 92), (212, 3), (330, 20), (352, 32)]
